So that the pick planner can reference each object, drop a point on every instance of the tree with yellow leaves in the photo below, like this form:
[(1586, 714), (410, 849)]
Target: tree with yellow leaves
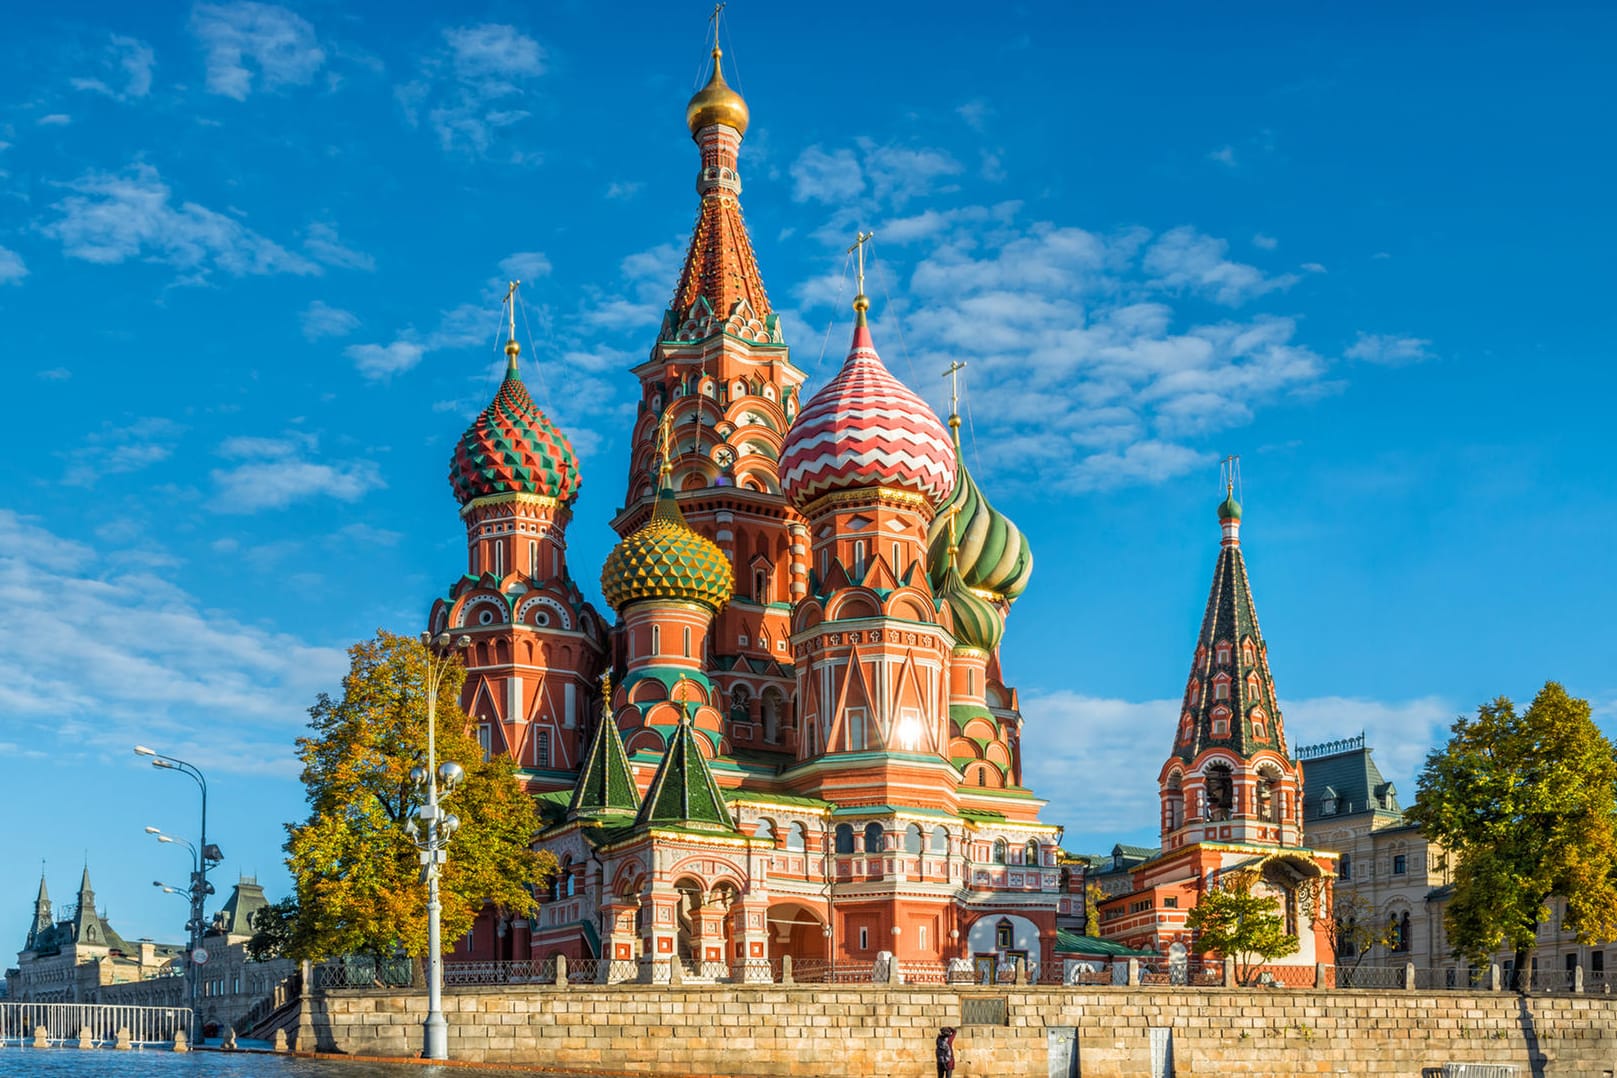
[(1527, 805), (357, 874)]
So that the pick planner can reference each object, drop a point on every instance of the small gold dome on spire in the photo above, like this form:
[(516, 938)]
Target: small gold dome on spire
[(716, 103)]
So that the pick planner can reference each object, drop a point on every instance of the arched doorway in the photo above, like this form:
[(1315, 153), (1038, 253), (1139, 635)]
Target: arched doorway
[(798, 930)]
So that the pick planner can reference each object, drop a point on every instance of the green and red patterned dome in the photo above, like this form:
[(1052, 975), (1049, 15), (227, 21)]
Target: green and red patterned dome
[(666, 559), (513, 448), (993, 555)]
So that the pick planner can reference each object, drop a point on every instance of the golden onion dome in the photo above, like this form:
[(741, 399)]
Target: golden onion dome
[(716, 103), (669, 560)]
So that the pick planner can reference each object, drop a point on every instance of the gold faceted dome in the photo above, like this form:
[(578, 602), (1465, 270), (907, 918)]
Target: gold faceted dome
[(667, 559), (716, 103)]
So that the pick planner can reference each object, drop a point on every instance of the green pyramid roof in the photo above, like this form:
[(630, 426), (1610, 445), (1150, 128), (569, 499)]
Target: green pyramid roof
[(605, 783), (683, 792)]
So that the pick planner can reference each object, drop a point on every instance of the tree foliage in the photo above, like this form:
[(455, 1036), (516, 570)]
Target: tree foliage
[(272, 927), (1526, 804), (1355, 928), (1235, 921), (358, 876)]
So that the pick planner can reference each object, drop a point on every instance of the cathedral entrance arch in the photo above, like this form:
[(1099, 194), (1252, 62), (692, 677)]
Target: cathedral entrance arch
[(798, 930)]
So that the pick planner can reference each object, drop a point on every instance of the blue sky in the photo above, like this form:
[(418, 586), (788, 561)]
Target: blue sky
[(251, 259)]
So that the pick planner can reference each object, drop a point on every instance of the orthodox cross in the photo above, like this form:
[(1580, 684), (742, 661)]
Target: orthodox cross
[(858, 251), (606, 695), (953, 374), (510, 304), (665, 440), (1229, 470), (714, 19)]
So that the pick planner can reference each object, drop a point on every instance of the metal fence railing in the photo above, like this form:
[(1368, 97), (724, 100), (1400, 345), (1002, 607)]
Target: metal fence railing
[(366, 971), (1364, 976), (68, 1022), (520, 971)]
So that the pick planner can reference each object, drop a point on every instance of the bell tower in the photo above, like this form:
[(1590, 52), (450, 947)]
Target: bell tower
[(721, 377)]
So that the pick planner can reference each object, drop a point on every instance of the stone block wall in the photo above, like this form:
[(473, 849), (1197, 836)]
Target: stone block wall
[(861, 1031)]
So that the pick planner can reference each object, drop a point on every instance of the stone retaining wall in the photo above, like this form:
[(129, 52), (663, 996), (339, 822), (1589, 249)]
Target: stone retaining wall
[(862, 1031)]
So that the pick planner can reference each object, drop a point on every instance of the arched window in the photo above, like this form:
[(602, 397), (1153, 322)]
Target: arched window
[(844, 838), (1030, 856), (859, 558), (686, 640), (999, 851), (873, 837), (1220, 792), (794, 837), (656, 639), (766, 829), (912, 839), (940, 840), (760, 586)]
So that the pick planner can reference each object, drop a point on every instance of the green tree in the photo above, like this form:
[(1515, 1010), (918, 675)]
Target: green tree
[(1526, 805), (358, 876), (1234, 921), (1354, 929), (272, 927)]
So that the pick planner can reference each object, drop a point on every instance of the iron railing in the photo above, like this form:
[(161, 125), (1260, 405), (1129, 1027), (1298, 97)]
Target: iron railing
[(68, 1022), (519, 971), (365, 971)]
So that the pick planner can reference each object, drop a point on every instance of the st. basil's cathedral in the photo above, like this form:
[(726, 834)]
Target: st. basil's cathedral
[(795, 736)]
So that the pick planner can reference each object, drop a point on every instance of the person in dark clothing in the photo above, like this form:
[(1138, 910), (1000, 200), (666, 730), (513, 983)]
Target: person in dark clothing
[(946, 1052)]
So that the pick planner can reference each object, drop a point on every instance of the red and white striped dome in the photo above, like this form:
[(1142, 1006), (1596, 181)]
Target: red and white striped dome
[(865, 428)]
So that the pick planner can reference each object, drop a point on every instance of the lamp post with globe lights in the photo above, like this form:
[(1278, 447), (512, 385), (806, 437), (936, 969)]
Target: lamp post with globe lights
[(203, 857), (432, 833)]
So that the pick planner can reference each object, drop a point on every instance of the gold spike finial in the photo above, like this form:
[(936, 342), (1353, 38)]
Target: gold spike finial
[(953, 374), (606, 694)]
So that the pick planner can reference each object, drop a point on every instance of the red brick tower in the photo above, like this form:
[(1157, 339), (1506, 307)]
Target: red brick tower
[(537, 646), (721, 374)]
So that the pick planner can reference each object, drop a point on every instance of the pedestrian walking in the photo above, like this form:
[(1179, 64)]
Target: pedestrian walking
[(945, 1052)]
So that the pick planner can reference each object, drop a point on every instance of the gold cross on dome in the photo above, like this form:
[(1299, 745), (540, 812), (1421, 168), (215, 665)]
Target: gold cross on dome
[(953, 374), (510, 304), (665, 440), (858, 251), (714, 20)]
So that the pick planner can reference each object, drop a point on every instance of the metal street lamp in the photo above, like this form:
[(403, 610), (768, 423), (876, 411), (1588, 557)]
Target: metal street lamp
[(431, 836), (203, 857)]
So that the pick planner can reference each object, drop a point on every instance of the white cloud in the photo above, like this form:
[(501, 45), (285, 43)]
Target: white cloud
[(238, 36), (114, 217), (1083, 374), (384, 360), (321, 320), (1224, 155), (55, 374), (128, 63), (975, 114), (623, 189), (1312, 267), (470, 90), (167, 669), (1389, 349), (525, 266), (12, 268), (322, 244), (1265, 243), (119, 450), (1187, 260), (54, 119), (276, 471), (826, 177), (899, 173)]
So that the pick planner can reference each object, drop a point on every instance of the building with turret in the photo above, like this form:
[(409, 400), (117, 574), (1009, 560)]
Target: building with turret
[(1231, 797), (792, 735), (71, 953)]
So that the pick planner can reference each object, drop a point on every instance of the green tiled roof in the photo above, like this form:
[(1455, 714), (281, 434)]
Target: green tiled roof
[(1068, 942), (755, 797), (981, 814), (605, 783), (683, 790), (1352, 778)]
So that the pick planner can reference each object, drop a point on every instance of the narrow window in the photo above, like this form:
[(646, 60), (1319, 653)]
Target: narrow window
[(898, 570), (485, 740), (533, 558), (920, 936), (760, 590), (656, 639), (1400, 864), (864, 939), (499, 558), (859, 558), (542, 752)]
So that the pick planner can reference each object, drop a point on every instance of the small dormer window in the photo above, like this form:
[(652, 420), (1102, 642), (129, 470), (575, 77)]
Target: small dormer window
[(1221, 690), (1221, 653)]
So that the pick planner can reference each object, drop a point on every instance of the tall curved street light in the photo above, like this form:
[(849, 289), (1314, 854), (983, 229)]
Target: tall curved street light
[(431, 836), (203, 857)]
